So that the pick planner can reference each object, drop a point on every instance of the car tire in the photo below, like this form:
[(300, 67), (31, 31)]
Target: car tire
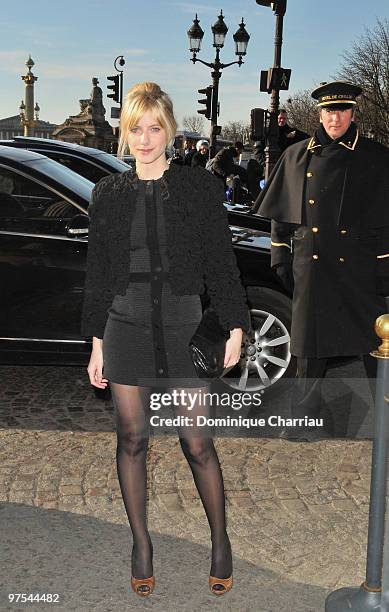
[(266, 361)]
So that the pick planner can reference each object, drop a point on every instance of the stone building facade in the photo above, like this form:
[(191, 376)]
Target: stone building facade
[(89, 128), (11, 126)]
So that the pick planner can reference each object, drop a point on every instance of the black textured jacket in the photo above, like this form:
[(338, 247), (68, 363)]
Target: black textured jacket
[(224, 165), (199, 159), (199, 245)]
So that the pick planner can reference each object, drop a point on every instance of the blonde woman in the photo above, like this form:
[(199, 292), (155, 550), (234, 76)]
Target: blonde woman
[(157, 237)]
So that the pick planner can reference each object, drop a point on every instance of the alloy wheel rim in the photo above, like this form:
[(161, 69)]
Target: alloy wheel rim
[(265, 354)]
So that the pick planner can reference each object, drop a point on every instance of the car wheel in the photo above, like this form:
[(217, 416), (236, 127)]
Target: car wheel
[(265, 357)]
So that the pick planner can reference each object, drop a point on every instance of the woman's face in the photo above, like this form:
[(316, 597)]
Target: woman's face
[(147, 140)]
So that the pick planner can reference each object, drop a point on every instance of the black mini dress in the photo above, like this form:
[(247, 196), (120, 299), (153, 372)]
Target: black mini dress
[(147, 334)]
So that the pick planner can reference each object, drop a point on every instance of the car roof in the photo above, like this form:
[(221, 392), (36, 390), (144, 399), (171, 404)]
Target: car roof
[(19, 155), (49, 147), (57, 143), (39, 166)]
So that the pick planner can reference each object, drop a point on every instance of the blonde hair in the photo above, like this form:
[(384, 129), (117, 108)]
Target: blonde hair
[(143, 97)]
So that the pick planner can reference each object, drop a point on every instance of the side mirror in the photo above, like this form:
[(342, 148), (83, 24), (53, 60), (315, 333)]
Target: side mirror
[(78, 226)]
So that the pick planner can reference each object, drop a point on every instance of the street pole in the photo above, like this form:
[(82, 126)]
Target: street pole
[(272, 150), (117, 96), (122, 61), (121, 89), (216, 74), (367, 597)]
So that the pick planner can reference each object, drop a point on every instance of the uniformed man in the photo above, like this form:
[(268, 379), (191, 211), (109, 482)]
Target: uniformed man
[(328, 198)]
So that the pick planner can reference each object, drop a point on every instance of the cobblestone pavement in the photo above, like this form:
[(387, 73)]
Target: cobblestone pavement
[(297, 513)]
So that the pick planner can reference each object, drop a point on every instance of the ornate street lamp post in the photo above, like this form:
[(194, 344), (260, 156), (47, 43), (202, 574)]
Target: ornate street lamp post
[(27, 108), (219, 31)]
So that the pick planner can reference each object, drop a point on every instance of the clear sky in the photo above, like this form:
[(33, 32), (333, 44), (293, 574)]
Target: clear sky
[(72, 41)]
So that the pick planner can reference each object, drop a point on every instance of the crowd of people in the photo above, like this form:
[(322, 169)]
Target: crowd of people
[(226, 162)]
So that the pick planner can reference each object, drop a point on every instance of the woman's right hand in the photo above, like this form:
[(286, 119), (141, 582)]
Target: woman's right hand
[(95, 366)]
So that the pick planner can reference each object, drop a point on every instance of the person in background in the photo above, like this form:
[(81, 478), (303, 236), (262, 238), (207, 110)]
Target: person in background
[(224, 163), (287, 135), (255, 169), (189, 150), (328, 199), (176, 158), (200, 158)]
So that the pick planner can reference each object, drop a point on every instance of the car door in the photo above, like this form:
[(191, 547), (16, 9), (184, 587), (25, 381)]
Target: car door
[(41, 265)]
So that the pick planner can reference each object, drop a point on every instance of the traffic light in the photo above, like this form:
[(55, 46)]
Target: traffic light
[(258, 124), (278, 6), (207, 101), (278, 78), (115, 95), (274, 78), (263, 81)]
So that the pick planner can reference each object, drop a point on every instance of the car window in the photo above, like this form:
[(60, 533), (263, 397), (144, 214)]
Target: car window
[(64, 176), (83, 167), (21, 197), (116, 164)]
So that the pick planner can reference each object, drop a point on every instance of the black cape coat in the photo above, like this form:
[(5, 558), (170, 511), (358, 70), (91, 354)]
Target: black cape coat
[(331, 222)]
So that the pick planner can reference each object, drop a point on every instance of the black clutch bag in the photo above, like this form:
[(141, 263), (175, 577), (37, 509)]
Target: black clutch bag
[(207, 346)]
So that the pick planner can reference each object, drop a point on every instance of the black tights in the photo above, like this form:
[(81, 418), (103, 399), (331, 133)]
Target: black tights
[(132, 427)]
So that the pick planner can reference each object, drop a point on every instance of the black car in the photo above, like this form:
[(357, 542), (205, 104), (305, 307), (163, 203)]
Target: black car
[(43, 244), (90, 163), (265, 354)]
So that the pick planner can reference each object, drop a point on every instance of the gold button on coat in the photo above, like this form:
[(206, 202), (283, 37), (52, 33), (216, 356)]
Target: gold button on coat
[(311, 201), (309, 174), (315, 256), (315, 230), (343, 231), (341, 259)]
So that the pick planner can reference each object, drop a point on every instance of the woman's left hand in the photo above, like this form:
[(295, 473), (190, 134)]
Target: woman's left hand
[(233, 348)]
